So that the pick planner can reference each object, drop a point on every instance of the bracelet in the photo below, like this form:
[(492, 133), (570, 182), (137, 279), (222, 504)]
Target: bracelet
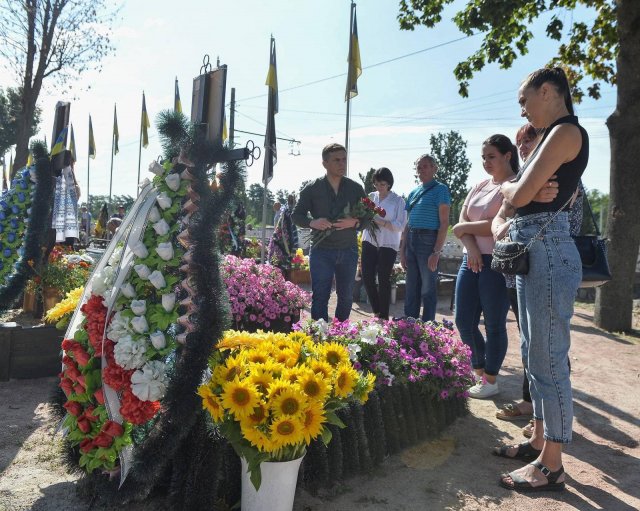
[(436, 252)]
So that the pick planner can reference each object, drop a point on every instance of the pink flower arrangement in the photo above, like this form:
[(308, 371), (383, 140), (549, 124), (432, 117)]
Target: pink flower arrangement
[(260, 297), (404, 351)]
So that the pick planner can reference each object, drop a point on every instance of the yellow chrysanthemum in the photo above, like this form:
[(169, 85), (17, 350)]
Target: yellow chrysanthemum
[(335, 354), (211, 402), (240, 397), (345, 380), (260, 378), (312, 422), (291, 401), (286, 431), (314, 386), (322, 367), (256, 437), (64, 307)]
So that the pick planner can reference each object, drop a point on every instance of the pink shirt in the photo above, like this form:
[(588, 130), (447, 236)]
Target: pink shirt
[(483, 203)]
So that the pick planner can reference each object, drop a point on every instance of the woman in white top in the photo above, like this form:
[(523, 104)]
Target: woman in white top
[(379, 251)]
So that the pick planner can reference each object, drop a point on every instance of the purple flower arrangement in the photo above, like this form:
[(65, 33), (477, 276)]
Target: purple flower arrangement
[(406, 350), (260, 297)]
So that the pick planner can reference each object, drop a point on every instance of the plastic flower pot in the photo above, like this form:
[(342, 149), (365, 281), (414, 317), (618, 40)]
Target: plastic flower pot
[(278, 487)]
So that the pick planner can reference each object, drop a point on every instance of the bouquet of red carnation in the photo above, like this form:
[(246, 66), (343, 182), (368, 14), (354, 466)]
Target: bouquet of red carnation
[(364, 210)]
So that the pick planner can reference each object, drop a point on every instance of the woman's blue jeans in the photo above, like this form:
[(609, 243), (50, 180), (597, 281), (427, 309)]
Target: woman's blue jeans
[(324, 264), (483, 293), (421, 282), (545, 301)]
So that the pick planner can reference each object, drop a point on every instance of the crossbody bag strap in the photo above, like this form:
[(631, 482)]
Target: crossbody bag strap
[(415, 201), (593, 217), (537, 235)]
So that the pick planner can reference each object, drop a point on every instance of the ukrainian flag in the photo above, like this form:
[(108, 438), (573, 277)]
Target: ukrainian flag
[(355, 65), (270, 149), (145, 123), (92, 141), (177, 104), (72, 145), (61, 142)]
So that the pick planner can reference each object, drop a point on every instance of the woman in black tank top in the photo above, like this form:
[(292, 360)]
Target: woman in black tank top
[(547, 292)]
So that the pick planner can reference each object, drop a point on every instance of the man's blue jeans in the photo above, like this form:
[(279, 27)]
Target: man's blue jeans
[(421, 282), (484, 293), (324, 263)]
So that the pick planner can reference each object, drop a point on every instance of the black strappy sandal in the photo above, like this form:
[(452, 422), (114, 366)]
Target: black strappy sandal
[(525, 452), (522, 485)]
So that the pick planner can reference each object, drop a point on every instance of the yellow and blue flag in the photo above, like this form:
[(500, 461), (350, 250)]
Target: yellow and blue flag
[(72, 145), (355, 65), (92, 141), (61, 142), (270, 150), (177, 104), (145, 124)]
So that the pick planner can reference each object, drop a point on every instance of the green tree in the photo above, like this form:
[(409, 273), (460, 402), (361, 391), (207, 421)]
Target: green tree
[(255, 198), (367, 181), (599, 203), (116, 201), (42, 40), (450, 151), (9, 112), (604, 49)]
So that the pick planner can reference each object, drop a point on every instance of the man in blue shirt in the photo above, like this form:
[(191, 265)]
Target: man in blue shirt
[(422, 240)]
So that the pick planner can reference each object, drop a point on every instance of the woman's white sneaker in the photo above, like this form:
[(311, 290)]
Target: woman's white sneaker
[(483, 390)]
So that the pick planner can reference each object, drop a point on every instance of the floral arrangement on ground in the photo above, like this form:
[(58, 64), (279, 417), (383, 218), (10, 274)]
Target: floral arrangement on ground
[(271, 394), (260, 297), (405, 350)]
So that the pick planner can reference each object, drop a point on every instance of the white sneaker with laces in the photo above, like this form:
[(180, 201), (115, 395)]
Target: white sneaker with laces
[(483, 390)]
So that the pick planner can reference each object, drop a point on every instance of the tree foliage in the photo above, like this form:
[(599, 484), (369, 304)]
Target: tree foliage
[(255, 198), (9, 112), (52, 40), (450, 151), (367, 181), (587, 48), (604, 49)]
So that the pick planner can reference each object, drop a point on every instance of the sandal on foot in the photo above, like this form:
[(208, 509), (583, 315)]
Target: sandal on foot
[(519, 483), (525, 451), (510, 412), (527, 431)]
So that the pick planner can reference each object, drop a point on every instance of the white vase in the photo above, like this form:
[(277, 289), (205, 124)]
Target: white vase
[(394, 290), (278, 487)]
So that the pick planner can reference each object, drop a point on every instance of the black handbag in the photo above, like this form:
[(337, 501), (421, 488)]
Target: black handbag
[(510, 257), (593, 254)]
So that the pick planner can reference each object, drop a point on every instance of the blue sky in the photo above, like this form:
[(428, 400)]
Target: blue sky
[(400, 103)]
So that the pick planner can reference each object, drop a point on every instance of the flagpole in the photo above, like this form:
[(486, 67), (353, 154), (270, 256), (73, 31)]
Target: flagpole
[(140, 148), (113, 141), (349, 75), (264, 223), (88, 164)]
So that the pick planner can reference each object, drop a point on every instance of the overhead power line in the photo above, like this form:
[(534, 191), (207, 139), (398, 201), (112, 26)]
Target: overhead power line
[(394, 59)]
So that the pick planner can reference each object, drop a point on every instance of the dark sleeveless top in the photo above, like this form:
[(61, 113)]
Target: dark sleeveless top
[(568, 174)]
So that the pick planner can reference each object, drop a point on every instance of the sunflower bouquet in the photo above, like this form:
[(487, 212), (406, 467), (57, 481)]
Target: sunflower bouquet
[(271, 394)]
